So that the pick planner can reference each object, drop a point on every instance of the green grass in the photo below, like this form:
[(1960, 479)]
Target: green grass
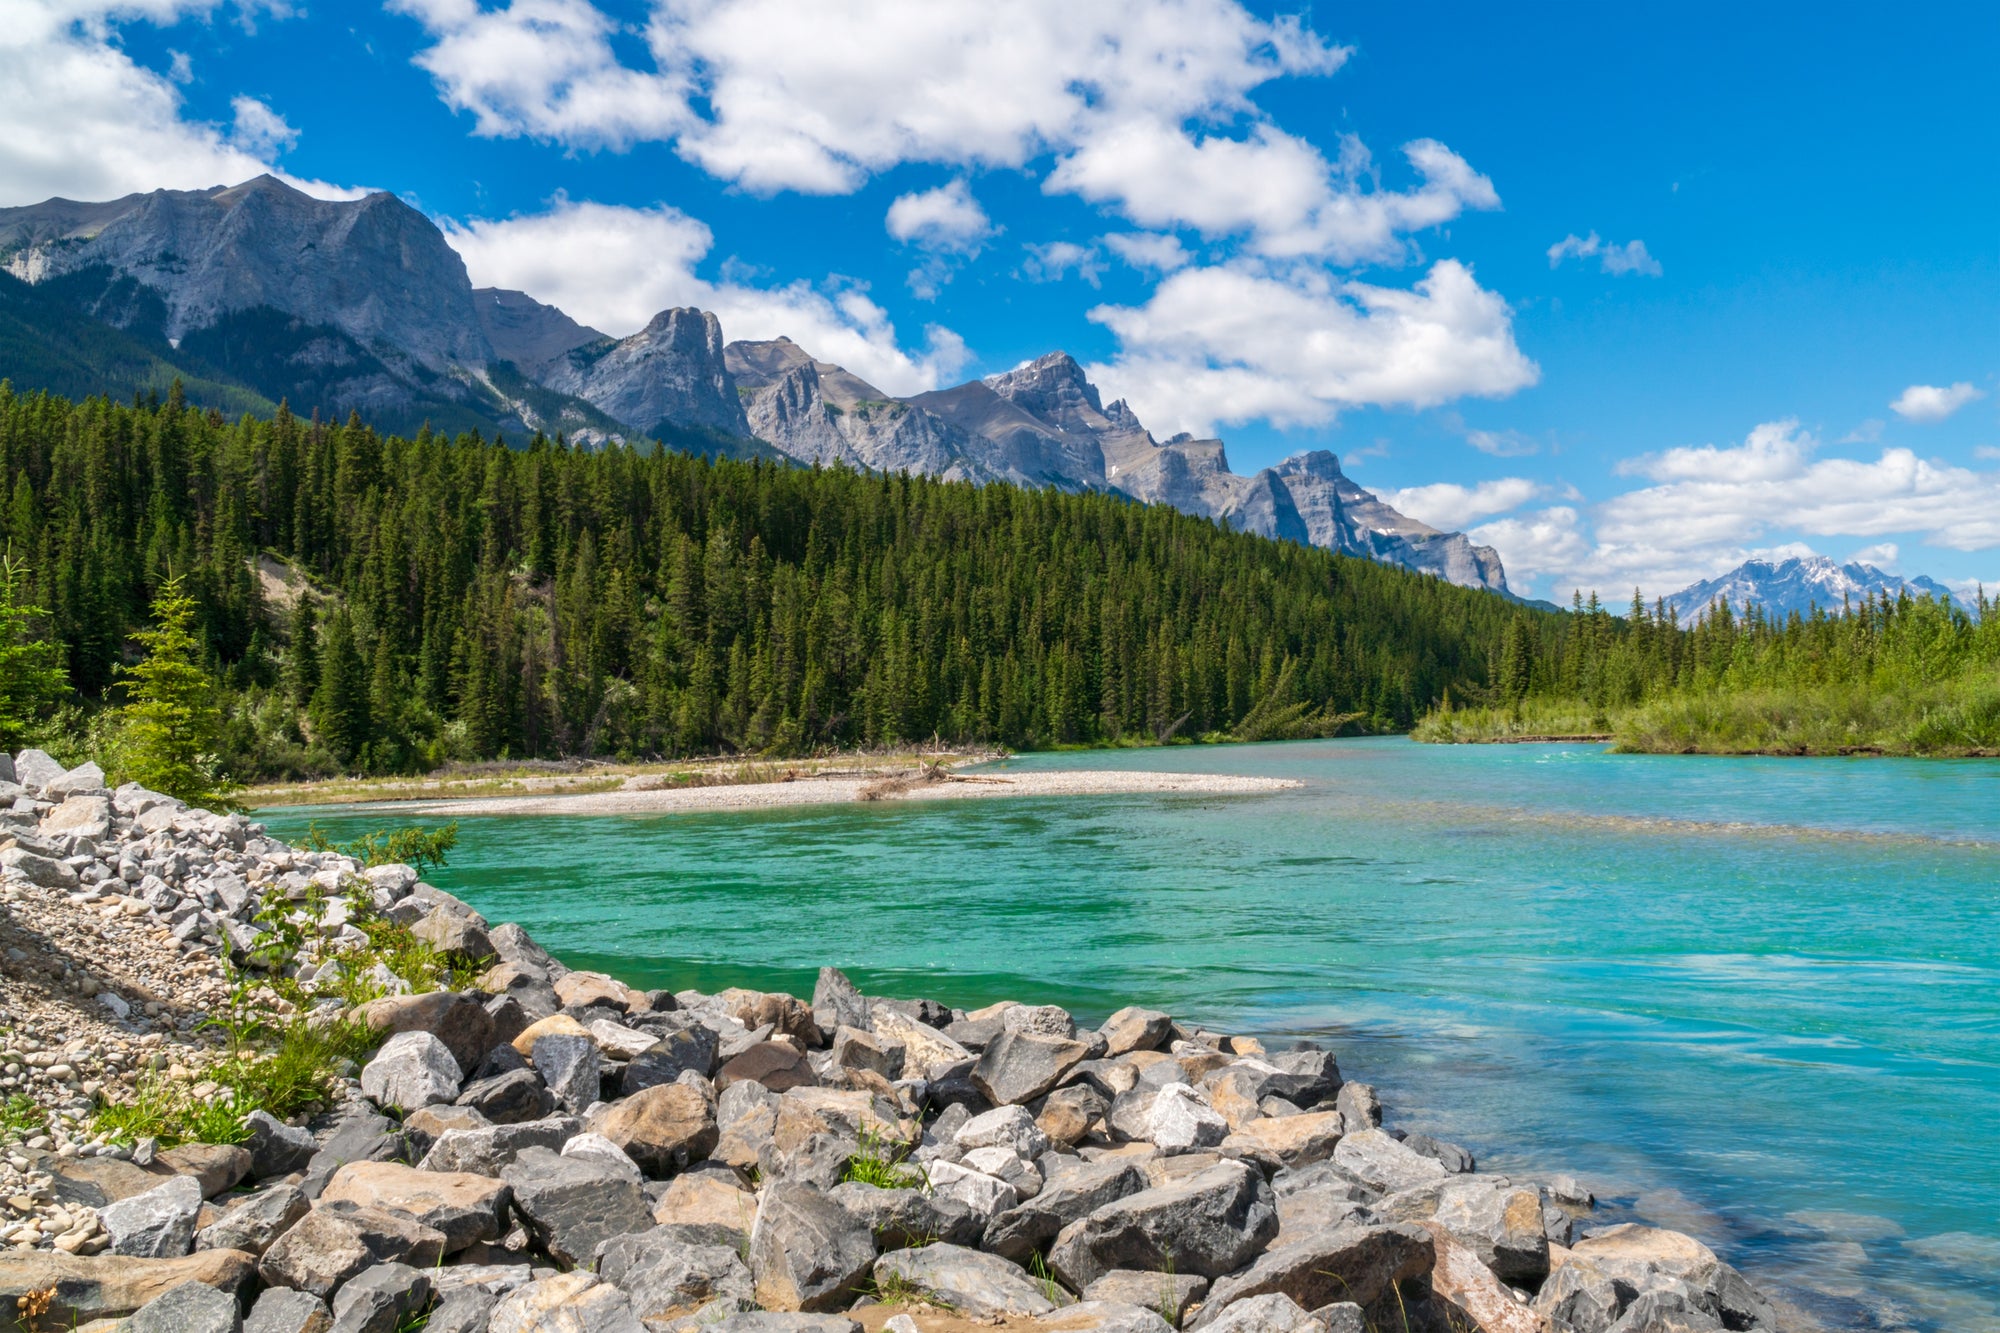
[(20, 1116), (879, 1162)]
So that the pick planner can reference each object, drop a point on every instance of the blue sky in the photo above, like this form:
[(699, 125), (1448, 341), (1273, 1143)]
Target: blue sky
[(1654, 290)]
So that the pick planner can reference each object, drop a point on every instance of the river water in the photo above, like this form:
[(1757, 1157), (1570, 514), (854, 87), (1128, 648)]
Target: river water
[(1757, 1000)]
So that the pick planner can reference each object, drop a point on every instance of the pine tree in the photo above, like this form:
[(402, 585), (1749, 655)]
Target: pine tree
[(340, 703), (32, 679), (171, 724)]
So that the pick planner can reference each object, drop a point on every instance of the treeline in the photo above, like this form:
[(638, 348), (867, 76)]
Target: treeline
[(1897, 675), (375, 603)]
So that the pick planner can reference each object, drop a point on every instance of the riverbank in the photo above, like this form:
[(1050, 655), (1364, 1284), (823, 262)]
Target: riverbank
[(550, 1148)]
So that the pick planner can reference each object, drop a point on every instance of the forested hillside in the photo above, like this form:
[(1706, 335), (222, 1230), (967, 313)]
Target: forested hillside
[(462, 600)]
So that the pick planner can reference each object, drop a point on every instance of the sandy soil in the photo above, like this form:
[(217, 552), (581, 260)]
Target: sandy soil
[(837, 790)]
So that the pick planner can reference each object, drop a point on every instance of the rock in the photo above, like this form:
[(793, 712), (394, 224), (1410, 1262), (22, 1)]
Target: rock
[(424, 1126), (1295, 1140), (707, 1198), (767, 1321), (282, 1310), (584, 990), (463, 1208), (554, 1024), (1666, 1311), (1103, 1317), (746, 1114), (513, 945), (1460, 1277), (363, 1137), (1580, 1297), (1009, 1127), (618, 1041), (776, 1065), (665, 1276), (573, 1204), (1069, 1196), (158, 1224), (597, 1148), (1169, 1293), (577, 1302), (1135, 1029), (456, 1018), (42, 870), (902, 1218), (35, 769), (785, 1015), (1314, 1076), (807, 1252), (512, 1098), (1381, 1163), (1180, 1121), (485, 1152), (412, 1069), (1067, 1115), (986, 1195), (455, 936), (1358, 1264), (1209, 1224), (1448, 1155), (1017, 1067), (662, 1128), (1500, 1224), (215, 1166), (684, 1050), (925, 1049), (192, 1307), (466, 1310), (571, 1066), (1320, 1208), (855, 1049), (1359, 1107), (1641, 1255), (837, 1003), (1044, 1020), (108, 1286), (379, 1300), (1270, 1313), (80, 816), (85, 779), (335, 1242), (976, 1284), (255, 1222), (276, 1148)]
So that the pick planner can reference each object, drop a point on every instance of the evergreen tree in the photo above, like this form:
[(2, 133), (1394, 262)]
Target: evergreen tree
[(339, 710), (32, 679), (171, 724)]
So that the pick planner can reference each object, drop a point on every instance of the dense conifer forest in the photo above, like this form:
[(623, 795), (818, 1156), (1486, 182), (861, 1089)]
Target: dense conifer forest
[(377, 604)]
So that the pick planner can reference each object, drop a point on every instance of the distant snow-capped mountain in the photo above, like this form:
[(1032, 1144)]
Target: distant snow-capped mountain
[(1797, 584)]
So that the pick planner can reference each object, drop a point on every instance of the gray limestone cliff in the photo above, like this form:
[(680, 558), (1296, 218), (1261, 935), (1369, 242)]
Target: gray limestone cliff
[(670, 373)]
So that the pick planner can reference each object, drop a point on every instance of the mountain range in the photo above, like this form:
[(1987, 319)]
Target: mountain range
[(1797, 584), (257, 293)]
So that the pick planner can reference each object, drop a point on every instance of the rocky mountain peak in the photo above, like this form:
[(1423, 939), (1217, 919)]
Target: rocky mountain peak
[(1054, 388), (1798, 583), (671, 373)]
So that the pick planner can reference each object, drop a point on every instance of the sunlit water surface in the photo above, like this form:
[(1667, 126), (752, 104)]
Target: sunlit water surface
[(1758, 1000)]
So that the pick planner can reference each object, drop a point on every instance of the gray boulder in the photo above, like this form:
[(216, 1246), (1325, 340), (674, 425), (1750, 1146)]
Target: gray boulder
[(1068, 1197), (575, 1204), (35, 769), (771, 1321), (1360, 1109), (276, 1148), (457, 1018), (901, 1218), (684, 1050), (380, 1299), (1019, 1066), (572, 1067), (282, 1310), (1500, 1223), (1448, 1155), (1381, 1163), (1580, 1297), (1358, 1264), (807, 1253), (665, 1275), (86, 779), (1208, 1224), (978, 1285), (836, 1003), (1312, 1076), (1270, 1313), (1667, 1311), (466, 1310), (486, 1152), (337, 1242), (1135, 1029), (192, 1307), (1103, 1317), (158, 1224), (511, 1098), (412, 1069), (575, 1302), (256, 1221), (360, 1137), (1169, 1293)]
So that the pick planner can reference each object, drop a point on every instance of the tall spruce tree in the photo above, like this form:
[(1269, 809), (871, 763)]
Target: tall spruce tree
[(171, 725), (32, 679)]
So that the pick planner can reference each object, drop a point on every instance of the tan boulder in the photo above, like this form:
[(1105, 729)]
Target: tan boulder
[(1632, 1251), (706, 1198), (662, 1128), (783, 1013), (1291, 1140), (924, 1047), (1135, 1029), (110, 1286), (465, 1208), (1067, 1114), (554, 1024), (778, 1065), (586, 988), (218, 1166), (1459, 1278)]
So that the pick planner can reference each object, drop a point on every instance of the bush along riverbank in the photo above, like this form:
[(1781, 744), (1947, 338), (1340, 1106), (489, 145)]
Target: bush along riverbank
[(253, 1087)]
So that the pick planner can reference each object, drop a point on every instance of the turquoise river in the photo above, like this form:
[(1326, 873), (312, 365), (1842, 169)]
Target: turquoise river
[(1758, 1000)]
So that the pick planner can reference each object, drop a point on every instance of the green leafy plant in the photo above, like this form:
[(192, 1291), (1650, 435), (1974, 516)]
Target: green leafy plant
[(879, 1162), (412, 846)]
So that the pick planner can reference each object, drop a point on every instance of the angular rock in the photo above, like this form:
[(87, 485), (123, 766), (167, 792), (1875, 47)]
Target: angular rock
[(276, 1148), (1448, 1155), (466, 1310), (158, 1224), (597, 1148), (85, 779), (570, 1065), (1461, 1278), (683, 1050), (1580, 1297), (1641, 1254), (662, 1128), (574, 1204), (618, 1041), (902, 1218), (837, 1003), (36, 769), (1009, 1127), (1067, 1115), (987, 1196), (974, 1283), (1293, 1140), (1180, 1121), (769, 1321), (456, 1018), (1359, 1107), (1315, 1076), (782, 1013), (1046, 1020), (667, 1277), (45, 871), (1017, 1067), (855, 1049), (192, 1307), (1135, 1029), (111, 1286), (1667, 1311), (778, 1066), (334, 1242), (412, 1069), (282, 1310), (1358, 1264), (378, 1300), (807, 1253), (514, 946), (1005, 1164), (1068, 1197), (486, 1152), (258, 1220), (1169, 1293), (746, 1116), (361, 1137), (577, 1302), (216, 1166), (1381, 1163), (708, 1199), (1320, 1208), (1102, 1317), (1499, 1223), (1209, 1224), (463, 1208), (553, 1024), (79, 816), (512, 1098), (455, 936), (925, 1049), (1273, 1312)]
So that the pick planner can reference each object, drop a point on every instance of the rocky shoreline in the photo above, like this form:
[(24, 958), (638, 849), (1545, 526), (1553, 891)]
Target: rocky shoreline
[(551, 1151)]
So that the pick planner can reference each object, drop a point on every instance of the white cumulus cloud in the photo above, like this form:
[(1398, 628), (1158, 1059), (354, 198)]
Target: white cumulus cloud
[(1053, 260), (1927, 403), (946, 219), (1155, 251), (1452, 507), (1236, 342), (1617, 260), (614, 268)]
